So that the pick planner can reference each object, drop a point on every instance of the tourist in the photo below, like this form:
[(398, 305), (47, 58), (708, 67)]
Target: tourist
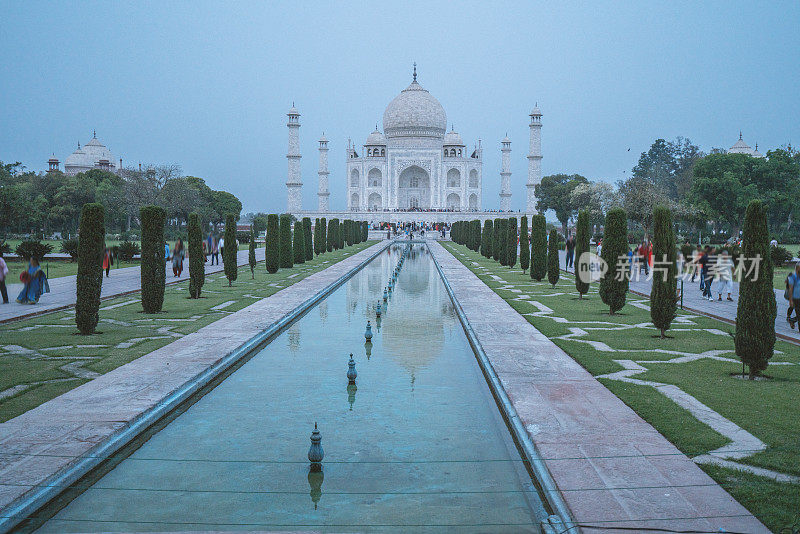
[(599, 247), (35, 283), (221, 249), (214, 249), (706, 276), (166, 251), (724, 274), (177, 258), (3, 274), (570, 248), (108, 261), (793, 295), (695, 267)]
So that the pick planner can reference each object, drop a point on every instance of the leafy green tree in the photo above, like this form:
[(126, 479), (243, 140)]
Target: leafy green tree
[(663, 298), (668, 165), (538, 247), (153, 270), (231, 250), (487, 238), (511, 242), (286, 255), (553, 262), (640, 197), (251, 256), (299, 245), (89, 281), (554, 193), (614, 282), (272, 251), (309, 246), (582, 235), (197, 267), (755, 313), (524, 245)]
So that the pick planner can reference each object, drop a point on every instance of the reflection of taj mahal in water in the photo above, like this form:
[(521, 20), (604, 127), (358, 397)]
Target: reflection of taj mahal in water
[(414, 164)]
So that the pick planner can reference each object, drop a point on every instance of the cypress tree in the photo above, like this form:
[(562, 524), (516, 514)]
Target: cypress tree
[(331, 235), (316, 236), (552, 259), (231, 252), (340, 235), (89, 281), (307, 238), (251, 256), (299, 245), (755, 313), (486, 238), (496, 240), (581, 253), (323, 236), (614, 283), (197, 264), (286, 255), (524, 245), (663, 300), (272, 251), (365, 231), (511, 242), (538, 247), (153, 271), (502, 241)]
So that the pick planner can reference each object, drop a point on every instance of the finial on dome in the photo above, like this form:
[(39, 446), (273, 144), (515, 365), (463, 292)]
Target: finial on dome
[(94, 134), (79, 145), (740, 135), (415, 71)]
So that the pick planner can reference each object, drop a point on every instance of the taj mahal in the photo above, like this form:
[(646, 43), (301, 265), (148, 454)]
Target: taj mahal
[(415, 169)]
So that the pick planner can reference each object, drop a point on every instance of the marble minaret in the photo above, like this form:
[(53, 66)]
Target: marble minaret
[(534, 159), (322, 192), (505, 176), (294, 183)]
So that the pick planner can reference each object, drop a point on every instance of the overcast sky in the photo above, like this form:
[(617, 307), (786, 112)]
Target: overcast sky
[(207, 85)]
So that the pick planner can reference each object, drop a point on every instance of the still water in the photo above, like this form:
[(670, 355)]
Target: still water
[(418, 445)]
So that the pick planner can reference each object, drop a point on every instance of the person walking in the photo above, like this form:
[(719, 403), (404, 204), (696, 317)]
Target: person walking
[(166, 251), (3, 274), (793, 295), (695, 267), (570, 248), (723, 273), (177, 258), (108, 261), (35, 283), (706, 276), (214, 250)]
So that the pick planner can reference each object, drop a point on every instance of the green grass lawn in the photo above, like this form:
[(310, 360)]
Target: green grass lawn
[(56, 269), (42, 358), (769, 409)]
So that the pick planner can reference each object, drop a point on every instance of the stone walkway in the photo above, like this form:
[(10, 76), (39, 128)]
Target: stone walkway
[(39, 444), (612, 467), (724, 310), (127, 280)]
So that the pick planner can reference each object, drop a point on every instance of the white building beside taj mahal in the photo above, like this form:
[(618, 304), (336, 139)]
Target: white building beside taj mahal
[(414, 166)]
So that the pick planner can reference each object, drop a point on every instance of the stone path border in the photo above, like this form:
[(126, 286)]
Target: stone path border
[(54, 444), (123, 281), (612, 467)]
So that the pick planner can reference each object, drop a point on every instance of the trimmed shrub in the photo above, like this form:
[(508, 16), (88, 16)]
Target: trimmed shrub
[(553, 262), (127, 250), (197, 264), (89, 281), (365, 231), (524, 244), (614, 283), (286, 255), (299, 244), (307, 239), (229, 255), (475, 227), (316, 236), (33, 249), (251, 254), (582, 235), (538, 247), (756, 310), (272, 251), (496, 240), (511, 242), (340, 235), (70, 246), (323, 235), (486, 238), (779, 256), (153, 271), (663, 298), (331, 235)]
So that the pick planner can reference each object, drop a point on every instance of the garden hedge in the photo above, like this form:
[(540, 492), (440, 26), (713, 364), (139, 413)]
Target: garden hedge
[(89, 281)]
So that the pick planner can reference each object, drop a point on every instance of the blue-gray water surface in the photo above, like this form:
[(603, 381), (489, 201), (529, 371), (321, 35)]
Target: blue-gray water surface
[(418, 445)]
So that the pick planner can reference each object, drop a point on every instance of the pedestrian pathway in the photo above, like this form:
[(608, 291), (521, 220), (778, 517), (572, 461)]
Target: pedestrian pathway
[(724, 310), (127, 280)]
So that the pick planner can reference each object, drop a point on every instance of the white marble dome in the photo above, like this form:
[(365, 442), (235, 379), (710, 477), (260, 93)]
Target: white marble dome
[(414, 113), (453, 139), (90, 157), (376, 138)]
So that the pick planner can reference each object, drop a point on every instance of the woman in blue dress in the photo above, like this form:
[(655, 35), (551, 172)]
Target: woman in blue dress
[(35, 283)]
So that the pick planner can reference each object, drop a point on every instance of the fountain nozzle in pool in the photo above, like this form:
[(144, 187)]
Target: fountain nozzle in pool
[(385, 295), (315, 452), (351, 370), (368, 332), (378, 310)]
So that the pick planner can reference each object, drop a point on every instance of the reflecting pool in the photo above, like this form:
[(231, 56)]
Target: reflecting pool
[(417, 444)]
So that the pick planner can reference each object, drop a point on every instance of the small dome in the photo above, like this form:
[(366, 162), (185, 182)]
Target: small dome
[(506, 140), (323, 139), (293, 111), (376, 138), (414, 113), (89, 156), (536, 111), (452, 138)]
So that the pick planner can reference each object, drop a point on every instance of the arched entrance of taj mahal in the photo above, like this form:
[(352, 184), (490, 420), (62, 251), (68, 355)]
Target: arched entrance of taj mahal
[(414, 189)]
